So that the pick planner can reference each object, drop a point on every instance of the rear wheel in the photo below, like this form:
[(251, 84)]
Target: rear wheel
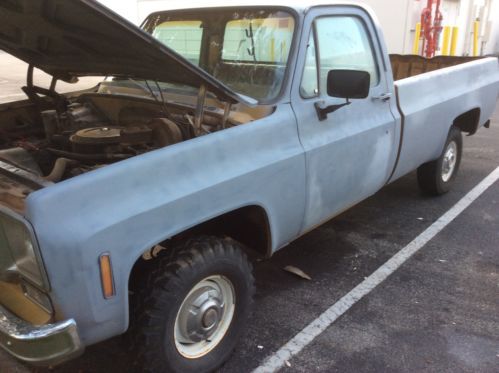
[(189, 316), (437, 177)]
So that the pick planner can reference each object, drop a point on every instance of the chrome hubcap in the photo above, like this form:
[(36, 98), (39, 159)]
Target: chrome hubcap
[(201, 315), (204, 316), (449, 161)]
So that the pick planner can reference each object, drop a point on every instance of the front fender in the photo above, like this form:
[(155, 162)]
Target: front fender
[(128, 207)]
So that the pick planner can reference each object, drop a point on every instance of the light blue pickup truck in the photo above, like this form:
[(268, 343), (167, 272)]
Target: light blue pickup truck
[(218, 134)]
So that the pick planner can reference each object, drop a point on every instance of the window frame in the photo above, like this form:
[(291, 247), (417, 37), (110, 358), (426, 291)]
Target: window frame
[(313, 31), (285, 91), (313, 34)]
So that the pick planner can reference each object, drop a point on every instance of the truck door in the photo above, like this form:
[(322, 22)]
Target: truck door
[(350, 154)]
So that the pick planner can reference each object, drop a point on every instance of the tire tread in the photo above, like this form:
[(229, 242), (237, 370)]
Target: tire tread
[(166, 276)]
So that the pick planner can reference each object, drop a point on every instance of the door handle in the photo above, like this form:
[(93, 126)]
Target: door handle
[(383, 97)]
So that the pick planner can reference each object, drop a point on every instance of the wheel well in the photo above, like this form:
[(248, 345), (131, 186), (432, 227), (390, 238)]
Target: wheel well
[(468, 122), (248, 225)]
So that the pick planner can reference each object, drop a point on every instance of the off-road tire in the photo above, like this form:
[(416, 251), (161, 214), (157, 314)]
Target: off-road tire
[(430, 175), (166, 286)]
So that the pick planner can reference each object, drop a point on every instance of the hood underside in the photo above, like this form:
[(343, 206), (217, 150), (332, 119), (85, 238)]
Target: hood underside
[(71, 38)]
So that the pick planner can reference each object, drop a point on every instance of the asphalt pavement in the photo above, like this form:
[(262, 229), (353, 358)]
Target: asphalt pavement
[(439, 312)]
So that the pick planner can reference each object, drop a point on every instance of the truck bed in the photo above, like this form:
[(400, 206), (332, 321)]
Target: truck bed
[(407, 65), (436, 93)]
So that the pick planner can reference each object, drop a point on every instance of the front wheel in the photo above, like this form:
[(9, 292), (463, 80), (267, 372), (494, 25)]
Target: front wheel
[(194, 308), (437, 177)]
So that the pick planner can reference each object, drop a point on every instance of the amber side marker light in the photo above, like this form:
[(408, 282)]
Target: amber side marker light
[(106, 276)]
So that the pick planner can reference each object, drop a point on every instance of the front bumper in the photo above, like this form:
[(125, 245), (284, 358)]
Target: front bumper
[(39, 345)]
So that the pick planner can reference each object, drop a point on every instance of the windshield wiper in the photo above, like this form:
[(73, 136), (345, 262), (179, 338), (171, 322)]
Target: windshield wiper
[(145, 88), (148, 89)]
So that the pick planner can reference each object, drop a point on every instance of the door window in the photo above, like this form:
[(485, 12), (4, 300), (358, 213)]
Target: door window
[(344, 43)]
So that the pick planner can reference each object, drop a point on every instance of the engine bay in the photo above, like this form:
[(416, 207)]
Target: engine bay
[(97, 129), (46, 141), (85, 138), (82, 138)]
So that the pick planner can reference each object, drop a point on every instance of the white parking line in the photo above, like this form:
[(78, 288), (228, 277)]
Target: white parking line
[(319, 325)]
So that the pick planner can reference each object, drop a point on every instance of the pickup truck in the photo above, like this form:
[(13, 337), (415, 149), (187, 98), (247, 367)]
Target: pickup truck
[(217, 135)]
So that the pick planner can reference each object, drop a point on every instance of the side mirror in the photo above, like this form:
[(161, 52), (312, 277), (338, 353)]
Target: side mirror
[(348, 83), (345, 84)]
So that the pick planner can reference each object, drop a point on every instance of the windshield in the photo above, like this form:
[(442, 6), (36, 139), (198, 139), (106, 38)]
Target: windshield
[(246, 49)]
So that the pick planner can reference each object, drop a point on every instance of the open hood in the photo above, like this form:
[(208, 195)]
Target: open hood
[(70, 38)]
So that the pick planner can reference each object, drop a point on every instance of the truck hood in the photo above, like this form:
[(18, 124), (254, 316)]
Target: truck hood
[(71, 38)]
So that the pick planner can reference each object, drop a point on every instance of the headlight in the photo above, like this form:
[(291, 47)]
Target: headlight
[(19, 241)]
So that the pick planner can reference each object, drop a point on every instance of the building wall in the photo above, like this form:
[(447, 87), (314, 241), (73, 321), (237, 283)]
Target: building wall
[(462, 14), (125, 8), (491, 30), (393, 27), (397, 18)]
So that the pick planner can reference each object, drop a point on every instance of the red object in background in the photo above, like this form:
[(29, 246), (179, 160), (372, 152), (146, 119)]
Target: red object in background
[(431, 27)]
